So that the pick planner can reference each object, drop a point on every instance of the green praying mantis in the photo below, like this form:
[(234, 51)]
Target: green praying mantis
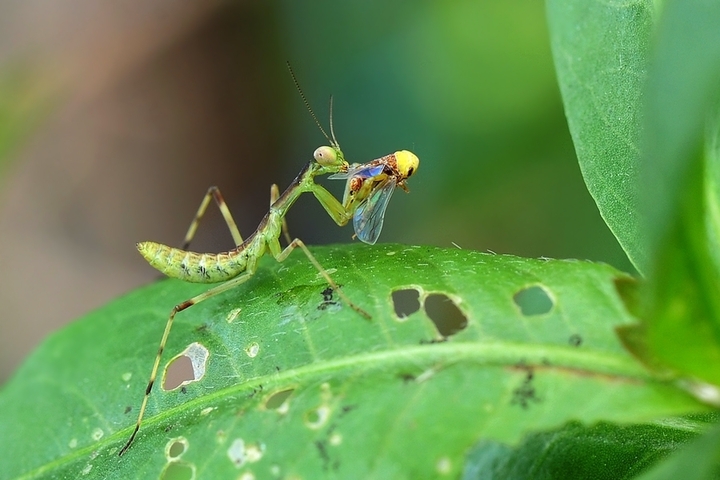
[(369, 187)]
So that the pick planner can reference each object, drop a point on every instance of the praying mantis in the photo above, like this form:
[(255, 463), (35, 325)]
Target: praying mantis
[(368, 190)]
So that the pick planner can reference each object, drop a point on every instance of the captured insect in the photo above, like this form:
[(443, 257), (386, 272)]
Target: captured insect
[(369, 188), (238, 265)]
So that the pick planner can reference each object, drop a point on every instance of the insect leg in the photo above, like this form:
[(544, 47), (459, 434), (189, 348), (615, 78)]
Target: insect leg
[(213, 192), (332, 206), (274, 195), (252, 262), (281, 255)]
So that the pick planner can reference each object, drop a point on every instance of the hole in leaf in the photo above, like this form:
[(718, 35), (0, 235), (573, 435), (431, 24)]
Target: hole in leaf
[(317, 417), (276, 400), (178, 372), (185, 368), (239, 453), (446, 316), (406, 302), (252, 349), (178, 471), (175, 448), (533, 301)]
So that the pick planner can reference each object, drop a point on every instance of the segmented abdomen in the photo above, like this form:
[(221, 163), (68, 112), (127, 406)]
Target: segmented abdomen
[(193, 267)]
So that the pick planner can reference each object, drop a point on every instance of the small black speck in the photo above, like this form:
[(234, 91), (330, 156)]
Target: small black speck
[(575, 340), (326, 305), (256, 390), (525, 393), (128, 410), (183, 389), (327, 294), (322, 450), (347, 409)]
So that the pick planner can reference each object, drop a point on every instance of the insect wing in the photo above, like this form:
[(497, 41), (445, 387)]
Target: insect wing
[(362, 171), (369, 217)]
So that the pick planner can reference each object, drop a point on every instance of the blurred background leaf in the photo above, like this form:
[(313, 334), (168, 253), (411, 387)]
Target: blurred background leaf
[(681, 198), (603, 451), (601, 54)]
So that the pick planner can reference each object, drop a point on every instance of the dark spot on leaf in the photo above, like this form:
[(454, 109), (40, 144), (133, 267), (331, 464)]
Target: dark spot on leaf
[(202, 328), (346, 409), (275, 400), (327, 301), (525, 393), (322, 450), (183, 390), (167, 428), (406, 377), (446, 316), (575, 340), (533, 301), (327, 294), (406, 302), (178, 371), (257, 390), (433, 341), (128, 409)]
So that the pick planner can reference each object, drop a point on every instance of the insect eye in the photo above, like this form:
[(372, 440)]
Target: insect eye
[(326, 156)]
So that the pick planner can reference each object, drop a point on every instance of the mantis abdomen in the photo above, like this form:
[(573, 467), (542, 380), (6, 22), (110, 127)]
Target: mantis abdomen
[(194, 267)]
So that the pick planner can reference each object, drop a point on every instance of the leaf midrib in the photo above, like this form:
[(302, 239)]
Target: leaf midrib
[(568, 359)]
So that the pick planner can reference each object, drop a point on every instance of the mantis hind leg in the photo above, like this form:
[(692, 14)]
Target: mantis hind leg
[(213, 193), (281, 255), (168, 326)]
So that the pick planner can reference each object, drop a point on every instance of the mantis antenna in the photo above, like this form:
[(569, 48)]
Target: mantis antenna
[(332, 140)]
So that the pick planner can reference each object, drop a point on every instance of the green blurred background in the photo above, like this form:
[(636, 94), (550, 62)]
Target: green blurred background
[(115, 117)]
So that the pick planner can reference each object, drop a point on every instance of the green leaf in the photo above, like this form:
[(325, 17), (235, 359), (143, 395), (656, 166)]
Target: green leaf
[(699, 460), (297, 384), (681, 328), (600, 52), (600, 452)]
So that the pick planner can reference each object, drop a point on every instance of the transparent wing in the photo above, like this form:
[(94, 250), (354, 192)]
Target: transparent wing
[(362, 171), (369, 216)]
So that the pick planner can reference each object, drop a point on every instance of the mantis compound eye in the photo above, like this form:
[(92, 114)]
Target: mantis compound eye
[(326, 156)]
